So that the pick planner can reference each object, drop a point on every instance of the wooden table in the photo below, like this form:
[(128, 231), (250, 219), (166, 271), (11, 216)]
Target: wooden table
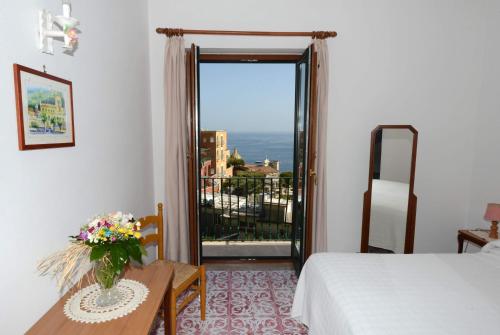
[(157, 277), (477, 236)]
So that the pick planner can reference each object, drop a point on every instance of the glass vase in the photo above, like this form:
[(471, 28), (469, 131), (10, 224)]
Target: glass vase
[(107, 277)]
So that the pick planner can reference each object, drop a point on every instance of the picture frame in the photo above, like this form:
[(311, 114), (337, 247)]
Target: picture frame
[(44, 103)]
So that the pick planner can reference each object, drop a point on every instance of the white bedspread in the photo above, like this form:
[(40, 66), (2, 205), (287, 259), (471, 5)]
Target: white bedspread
[(383, 294), (388, 215)]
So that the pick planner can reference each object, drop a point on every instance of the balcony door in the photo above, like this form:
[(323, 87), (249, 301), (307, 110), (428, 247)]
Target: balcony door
[(247, 208), (304, 155)]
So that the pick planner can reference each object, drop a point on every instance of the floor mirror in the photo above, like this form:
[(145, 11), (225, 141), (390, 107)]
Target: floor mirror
[(389, 207)]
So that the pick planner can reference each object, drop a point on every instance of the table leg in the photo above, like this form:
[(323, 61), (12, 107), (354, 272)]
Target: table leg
[(166, 309), (460, 243), (173, 315)]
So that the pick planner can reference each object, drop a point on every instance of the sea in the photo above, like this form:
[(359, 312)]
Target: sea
[(257, 146)]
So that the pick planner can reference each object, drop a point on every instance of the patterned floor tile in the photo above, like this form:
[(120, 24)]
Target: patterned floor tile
[(242, 302)]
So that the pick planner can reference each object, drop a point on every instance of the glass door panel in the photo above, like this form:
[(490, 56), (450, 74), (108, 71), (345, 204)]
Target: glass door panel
[(300, 158)]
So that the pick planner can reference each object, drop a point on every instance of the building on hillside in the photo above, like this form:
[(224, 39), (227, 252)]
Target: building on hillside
[(267, 171), (206, 167), (271, 183), (271, 169), (208, 179), (275, 164), (214, 143)]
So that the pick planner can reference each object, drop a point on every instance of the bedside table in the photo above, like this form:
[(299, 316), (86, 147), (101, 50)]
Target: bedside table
[(477, 236)]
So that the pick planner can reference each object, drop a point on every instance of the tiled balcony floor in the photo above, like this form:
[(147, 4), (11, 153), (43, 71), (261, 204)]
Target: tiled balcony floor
[(246, 249)]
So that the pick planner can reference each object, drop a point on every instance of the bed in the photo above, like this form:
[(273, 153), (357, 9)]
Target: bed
[(388, 215), (384, 294)]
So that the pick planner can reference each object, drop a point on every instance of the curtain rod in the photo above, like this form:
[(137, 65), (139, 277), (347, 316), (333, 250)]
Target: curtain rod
[(181, 32)]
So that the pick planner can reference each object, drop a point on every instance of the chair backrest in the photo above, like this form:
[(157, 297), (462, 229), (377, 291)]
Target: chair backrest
[(158, 237)]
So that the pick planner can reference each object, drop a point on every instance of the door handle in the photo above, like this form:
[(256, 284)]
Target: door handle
[(312, 173)]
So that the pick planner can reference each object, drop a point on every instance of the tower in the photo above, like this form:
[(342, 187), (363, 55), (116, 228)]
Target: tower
[(235, 154)]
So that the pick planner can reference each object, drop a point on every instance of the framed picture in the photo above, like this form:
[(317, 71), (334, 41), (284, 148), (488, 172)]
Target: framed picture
[(44, 110)]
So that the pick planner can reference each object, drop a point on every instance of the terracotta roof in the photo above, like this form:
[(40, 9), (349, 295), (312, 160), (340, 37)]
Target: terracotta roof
[(261, 169)]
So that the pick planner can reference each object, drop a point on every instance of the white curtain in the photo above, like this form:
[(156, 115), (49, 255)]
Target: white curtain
[(320, 238), (176, 148)]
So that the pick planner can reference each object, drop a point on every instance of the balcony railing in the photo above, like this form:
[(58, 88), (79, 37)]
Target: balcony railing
[(246, 208)]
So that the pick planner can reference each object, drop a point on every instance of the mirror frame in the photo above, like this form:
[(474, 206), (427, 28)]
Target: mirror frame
[(412, 198)]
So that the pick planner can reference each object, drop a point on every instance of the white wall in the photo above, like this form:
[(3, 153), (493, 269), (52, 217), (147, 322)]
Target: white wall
[(45, 195), (485, 184), (397, 146), (394, 62)]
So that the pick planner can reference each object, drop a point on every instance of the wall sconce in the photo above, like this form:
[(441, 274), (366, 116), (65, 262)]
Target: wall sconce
[(66, 25)]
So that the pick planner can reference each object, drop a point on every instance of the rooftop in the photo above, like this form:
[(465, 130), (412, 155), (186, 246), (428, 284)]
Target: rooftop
[(260, 169)]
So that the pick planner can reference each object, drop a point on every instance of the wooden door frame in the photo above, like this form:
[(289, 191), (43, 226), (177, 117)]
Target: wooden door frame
[(249, 58), (191, 83), (311, 153), (193, 87)]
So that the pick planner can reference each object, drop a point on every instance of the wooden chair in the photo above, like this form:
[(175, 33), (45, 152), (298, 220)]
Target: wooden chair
[(186, 276)]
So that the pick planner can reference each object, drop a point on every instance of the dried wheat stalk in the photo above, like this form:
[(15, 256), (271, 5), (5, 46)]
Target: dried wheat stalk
[(65, 265)]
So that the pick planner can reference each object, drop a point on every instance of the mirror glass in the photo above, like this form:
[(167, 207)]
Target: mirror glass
[(390, 190)]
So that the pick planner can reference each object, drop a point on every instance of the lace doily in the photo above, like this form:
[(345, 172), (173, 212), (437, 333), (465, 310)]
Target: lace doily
[(82, 305)]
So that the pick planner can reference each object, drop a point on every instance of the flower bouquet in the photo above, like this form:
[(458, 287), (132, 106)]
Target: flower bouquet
[(106, 244)]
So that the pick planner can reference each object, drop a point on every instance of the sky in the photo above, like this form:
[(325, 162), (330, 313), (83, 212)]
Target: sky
[(245, 97)]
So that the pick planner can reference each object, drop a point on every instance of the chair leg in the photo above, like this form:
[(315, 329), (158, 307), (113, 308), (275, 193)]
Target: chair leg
[(173, 314), (203, 292)]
